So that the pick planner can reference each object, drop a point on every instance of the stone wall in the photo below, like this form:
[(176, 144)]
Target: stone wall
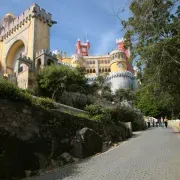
[(30, 136)]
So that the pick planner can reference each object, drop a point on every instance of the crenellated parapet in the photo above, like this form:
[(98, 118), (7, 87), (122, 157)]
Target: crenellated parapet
[(112, 75), (126, 74), (33, 12), (45, 52)]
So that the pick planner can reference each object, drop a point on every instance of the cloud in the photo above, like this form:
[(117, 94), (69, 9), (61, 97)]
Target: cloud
[(107, 40)]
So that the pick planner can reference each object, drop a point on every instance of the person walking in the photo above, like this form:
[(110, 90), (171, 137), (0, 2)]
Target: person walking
[(148, 122), (156, 122), (166, 122), (162, 122)]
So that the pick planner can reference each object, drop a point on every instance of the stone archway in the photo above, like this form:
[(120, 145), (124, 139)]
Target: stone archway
[(17, 48)]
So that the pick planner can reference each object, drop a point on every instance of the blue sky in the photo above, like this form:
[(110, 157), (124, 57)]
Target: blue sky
[(75, 18)]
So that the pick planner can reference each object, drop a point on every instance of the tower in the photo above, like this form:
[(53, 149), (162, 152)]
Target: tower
[(82, 48), (24, 35), (21, 38), (121, 46)]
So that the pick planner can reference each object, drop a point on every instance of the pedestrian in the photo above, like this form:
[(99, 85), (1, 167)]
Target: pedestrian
[(153, 122), (166, 121), (162, 122), (156, 121), (148, 122)]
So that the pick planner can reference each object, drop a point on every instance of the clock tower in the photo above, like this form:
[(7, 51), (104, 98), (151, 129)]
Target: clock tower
[(82, 48)]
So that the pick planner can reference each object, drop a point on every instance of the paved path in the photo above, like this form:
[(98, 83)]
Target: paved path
[(152, 155)]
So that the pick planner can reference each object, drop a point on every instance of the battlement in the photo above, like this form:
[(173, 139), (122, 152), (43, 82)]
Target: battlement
[(33, 11), (45, 51), (125, 74)]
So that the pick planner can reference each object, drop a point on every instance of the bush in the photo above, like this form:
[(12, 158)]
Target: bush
[(116, 115), (99, 113), (10, 91)]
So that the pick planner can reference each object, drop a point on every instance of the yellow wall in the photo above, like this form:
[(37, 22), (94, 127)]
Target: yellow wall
[(24, 34), (115, 68), (42, 35), (66, 60)]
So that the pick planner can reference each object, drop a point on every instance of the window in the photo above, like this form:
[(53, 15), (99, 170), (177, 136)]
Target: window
[(87, 70), (109, 70), (94, 71), (106, 70), (90, 70)]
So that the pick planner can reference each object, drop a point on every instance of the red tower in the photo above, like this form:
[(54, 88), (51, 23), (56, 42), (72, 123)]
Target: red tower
[(120, 45), (82, 48)]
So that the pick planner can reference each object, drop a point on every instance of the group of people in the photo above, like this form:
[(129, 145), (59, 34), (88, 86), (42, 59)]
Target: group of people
[(157, 122)]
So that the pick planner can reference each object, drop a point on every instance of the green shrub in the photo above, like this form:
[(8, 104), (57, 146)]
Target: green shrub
[(99, 113), (10, 91), (94, 109)]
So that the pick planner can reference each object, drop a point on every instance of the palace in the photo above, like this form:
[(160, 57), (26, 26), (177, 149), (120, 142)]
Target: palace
[(25, 49), (115, 66)]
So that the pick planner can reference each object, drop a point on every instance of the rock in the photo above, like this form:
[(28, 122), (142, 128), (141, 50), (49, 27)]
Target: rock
[(105, 146), (86, 143), (66, 158), (54, 163)]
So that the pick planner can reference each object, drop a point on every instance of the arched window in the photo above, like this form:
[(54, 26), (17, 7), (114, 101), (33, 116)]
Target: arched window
[(94, 71), (87, 70), (90, 62), (106, 70), (103, 70), (100, 70), (50, 62), (109, 70), (93, 62), (102, 61), (90, 70), (105, 61)]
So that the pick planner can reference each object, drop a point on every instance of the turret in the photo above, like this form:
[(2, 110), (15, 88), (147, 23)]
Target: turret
[(118, 61), (121, 46), (82, 48)]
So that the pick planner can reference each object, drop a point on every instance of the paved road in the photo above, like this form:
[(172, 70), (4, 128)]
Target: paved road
[(152, 155)]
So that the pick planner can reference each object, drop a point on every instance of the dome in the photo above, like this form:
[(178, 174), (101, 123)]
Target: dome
[(10, 15), (76, 57), (8, 18)]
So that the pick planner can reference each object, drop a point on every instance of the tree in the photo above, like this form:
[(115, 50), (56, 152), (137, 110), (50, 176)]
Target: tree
[(102, 88), (155, 37), (123, 94), (54, 80)]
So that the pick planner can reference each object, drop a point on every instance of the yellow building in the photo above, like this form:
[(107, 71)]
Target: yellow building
[(25, 48), (115, 65), (24, 44)]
